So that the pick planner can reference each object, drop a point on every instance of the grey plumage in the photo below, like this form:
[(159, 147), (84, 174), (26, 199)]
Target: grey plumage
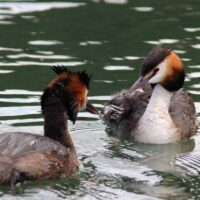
[(182, 112), (31, 156)]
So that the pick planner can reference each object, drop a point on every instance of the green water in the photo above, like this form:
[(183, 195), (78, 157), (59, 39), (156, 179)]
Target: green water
[(108, 40)]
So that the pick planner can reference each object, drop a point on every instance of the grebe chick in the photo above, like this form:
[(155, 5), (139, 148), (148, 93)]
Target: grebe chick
[(155, 109), (25, 156)]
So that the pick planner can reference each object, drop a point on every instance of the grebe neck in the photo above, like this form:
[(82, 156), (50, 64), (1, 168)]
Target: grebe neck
[(160, 98), (55, 121), (156, 125)]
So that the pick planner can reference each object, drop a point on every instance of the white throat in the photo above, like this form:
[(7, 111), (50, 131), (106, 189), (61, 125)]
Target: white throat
[(160, 100), (156, 125)]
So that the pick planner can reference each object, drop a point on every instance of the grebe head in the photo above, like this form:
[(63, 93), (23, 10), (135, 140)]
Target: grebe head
[(162, 66), (71, 87)]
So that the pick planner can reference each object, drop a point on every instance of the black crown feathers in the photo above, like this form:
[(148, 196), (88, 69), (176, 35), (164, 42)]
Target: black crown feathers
[(84, 77), (155, 57)]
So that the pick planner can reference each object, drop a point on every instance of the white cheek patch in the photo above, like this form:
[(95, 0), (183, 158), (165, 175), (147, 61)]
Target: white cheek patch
[(161, 74)]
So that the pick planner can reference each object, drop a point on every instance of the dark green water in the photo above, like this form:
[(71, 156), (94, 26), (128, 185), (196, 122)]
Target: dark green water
[(109, 40)]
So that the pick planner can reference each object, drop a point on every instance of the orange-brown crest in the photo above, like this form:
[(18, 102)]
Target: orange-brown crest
[(79, 90), (174, 61), (175, 73), (174, 64), (74, 85)]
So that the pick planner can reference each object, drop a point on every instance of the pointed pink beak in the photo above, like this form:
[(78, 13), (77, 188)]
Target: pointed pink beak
[(142, 80), (90, 108)]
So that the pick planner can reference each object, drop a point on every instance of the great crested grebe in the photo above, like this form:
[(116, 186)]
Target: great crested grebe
[(155, 109), (25, 156)]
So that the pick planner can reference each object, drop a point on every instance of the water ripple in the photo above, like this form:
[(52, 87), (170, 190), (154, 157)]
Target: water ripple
[(194, 92), (194, 66), (104, 81), (5, 17), (6, 71), (186, 59), (21, 121), (189, 162), (86, 43), (192, 29), (112, 1), (180, 51), (143, 9), (19, 111), (10, 49), (27, 63), (132, 57), (117, 58), (20, 92), (87, 115), (22, 7), (45, 42), (125, 168), (196, 46), (45, 52), (197, 86), (27, 17), (162, 41), (21, 100), (117, 67), (6, 22), (194, 75), (25, 55), (104, 98)]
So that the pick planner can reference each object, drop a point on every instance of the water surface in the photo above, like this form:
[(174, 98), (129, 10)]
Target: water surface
[(109, 39)]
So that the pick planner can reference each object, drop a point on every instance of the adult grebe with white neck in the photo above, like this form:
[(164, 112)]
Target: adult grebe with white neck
[(155, 109)]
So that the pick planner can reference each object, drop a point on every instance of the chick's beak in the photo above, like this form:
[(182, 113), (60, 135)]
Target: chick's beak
[(90, 108), (142, 80)]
